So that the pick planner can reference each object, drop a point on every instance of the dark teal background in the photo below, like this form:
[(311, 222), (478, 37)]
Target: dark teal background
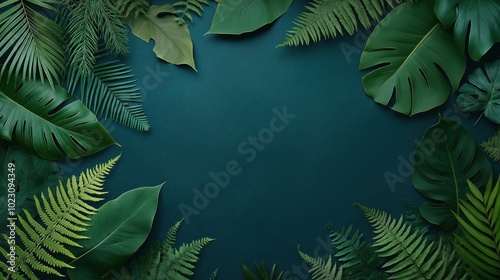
[(332, 154)]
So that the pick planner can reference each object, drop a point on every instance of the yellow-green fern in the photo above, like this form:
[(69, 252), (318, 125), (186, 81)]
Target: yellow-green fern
[(409, 254), (43, 246), (320, 269), (328, 18)]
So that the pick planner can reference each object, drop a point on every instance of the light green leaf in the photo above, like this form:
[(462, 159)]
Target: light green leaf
[(118, 229), (241, 16), (446, 157), (482, 93), (48, 122), (172, 41), (411, 51), (477, 21)]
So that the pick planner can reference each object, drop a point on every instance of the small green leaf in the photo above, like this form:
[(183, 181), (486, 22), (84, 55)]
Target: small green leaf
[(482, 93), (242, 16), (118, 229)]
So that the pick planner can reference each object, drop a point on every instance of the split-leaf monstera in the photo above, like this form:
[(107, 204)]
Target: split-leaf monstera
[(48, 122), (411, 51), (241, 16), (476, 23), (482, 93), (446, 157)]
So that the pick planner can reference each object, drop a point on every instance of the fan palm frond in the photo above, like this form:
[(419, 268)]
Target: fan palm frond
[(64, 216), (320, 269), (109, 90), (409, 253), (328, 18), (30, 42), (479, 249)]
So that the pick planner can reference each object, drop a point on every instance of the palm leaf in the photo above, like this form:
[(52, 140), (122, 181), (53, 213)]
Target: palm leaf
[(328, 18), (110, 91), (492, 146), (30, 42), (48, 122), (320, 269), (90, 20), (480, 223), (64, 217), (262, 271), (410, 255)]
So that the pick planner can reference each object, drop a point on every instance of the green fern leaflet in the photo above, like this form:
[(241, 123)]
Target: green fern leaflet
[(480, 224), (410, 255), (320, 269), (164, 261), (492, 146), (328, 18), (64, 216), (188, 6)]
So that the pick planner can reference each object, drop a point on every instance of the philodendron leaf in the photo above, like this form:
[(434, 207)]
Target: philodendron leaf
[(477, 21), (482, 93), (241, 16), (118, 229), (444, 159), (48, 122), (172, 41), (412, 55)]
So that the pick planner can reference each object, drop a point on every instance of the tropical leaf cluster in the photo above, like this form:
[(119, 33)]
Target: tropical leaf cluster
[(479, 246), (165, 261), (262, 272), (65, 214), (329, 18)]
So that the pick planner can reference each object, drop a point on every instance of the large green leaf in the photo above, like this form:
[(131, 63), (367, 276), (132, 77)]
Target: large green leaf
[(446, 157), (482, 93), (48, 122), (172, 41), (477, 21), (118, 229), (411, 51), (33, 175), (241, 16)]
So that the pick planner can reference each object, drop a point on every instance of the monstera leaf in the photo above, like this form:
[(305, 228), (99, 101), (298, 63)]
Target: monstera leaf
[(172, 40), (118, 229), (411, 53), (446, 157), (241, 16), (482, 93), (477, 21), (48, 122)]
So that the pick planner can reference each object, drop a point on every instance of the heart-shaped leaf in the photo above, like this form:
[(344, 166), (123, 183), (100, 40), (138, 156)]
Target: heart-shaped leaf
[(477, 21), (411, 51), (117, 231), (446, 157), (482, 93), (241, 16), (48, 122), (172, 40)]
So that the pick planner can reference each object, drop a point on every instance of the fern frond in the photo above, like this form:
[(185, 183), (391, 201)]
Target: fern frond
[(262, 272), (31, 43), (90, 20), (480, 223), (63, 217), (359, 259), (213, 276), (188, 6), (110, 92), (125, 7), (320, 269), (328, 18), (492, 146), (410, 255), (181, 261), (172, 235)]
